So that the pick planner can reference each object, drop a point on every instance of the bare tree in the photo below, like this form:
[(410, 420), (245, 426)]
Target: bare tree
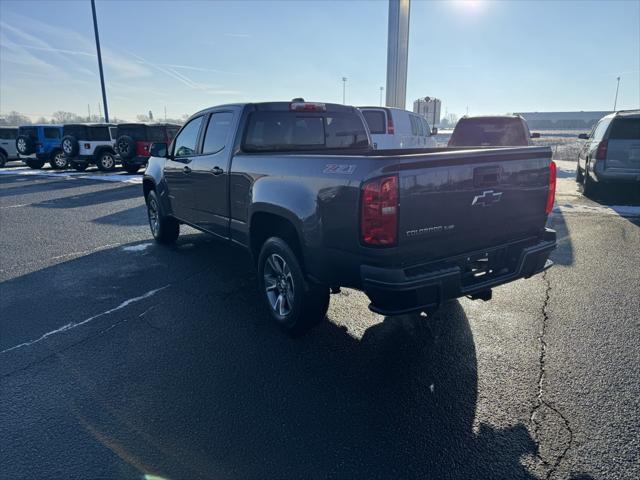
[(66, 117), (15, 118)]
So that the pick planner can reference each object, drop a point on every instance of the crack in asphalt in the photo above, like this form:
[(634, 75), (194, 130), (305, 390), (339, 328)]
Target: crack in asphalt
[(541, 403)]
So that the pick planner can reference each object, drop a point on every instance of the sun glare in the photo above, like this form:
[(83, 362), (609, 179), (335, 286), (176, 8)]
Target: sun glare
[(471, 5)]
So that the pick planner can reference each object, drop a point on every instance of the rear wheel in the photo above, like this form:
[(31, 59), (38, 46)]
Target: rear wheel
[(107, 162), (589, 187), (295, 304), (3, 159), (164, 229), (131, 168), (579, 174), (34, 163), (58, 160)]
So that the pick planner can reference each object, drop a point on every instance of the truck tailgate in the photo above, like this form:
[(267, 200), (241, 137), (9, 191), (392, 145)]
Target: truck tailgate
[(457, 202)]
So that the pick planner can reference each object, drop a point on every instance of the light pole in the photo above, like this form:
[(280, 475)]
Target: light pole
[(344, 90), (615, 102), (104, 92), (381, 90)]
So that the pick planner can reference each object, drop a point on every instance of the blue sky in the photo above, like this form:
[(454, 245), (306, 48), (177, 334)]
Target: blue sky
[(495, 57)]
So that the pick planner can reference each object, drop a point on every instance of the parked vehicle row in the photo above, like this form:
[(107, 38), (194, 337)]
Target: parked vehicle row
[(80, 145)]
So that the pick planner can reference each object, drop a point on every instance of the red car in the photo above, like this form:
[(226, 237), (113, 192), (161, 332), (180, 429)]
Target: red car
[(135, 139)]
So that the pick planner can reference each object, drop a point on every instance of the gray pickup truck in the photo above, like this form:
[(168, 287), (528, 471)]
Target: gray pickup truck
[(299, 185)]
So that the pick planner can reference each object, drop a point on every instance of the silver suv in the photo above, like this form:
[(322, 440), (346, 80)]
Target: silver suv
[(8, 149), (612, 152)]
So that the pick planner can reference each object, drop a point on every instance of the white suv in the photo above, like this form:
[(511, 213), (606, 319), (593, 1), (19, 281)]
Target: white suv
[(8, 149), (87, 144)]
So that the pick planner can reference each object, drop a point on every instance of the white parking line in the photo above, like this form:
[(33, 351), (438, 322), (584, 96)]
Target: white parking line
[(105, 177), (72, 325)]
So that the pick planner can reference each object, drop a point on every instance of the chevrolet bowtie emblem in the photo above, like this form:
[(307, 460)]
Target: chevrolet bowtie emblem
[(488, 198)]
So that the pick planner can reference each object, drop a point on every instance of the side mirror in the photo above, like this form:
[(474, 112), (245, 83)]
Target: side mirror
[(159, 150), (434, 131), (583, 136), (535, 135)]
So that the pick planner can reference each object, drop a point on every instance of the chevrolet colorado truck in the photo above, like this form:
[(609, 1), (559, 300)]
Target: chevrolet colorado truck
[(299, 185)]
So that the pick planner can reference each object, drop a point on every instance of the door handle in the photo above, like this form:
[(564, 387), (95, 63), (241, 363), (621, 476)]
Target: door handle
[(217, 171), (186, 169)]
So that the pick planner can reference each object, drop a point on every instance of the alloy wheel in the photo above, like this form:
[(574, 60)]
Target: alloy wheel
[(279, 285), (154, 217)]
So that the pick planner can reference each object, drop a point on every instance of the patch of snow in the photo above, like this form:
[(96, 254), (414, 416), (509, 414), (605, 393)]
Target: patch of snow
[(137, 248), (621, 210)]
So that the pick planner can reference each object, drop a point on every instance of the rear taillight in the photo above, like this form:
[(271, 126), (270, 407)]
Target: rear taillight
[(390, 128), (379, 215), (601, 153), (551, 195), (307, 107)]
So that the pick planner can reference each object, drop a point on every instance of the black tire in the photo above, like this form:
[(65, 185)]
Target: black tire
[(589, 187), (58, 161), (579, 174), (126, 147), (25, 145), (106, 161), (79, 166), (131, 168), (294, 303), (70, 146), (34, 163), (3, 159), (164, 229)]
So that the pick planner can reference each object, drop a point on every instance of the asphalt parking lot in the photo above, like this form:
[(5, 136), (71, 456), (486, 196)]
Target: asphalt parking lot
[(120, 358)]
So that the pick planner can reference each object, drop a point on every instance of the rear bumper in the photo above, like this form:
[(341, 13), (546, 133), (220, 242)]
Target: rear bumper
[(424, 287), (615, 175)]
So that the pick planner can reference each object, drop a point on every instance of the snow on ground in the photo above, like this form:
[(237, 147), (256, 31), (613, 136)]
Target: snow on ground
[(104, 177)]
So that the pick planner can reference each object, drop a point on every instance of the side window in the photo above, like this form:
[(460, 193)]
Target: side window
[(186, 141), (427, 128), (51, 133), (600, 130), (8, 133), (113, 131), (415, 128), (217, 132), (99, 134)]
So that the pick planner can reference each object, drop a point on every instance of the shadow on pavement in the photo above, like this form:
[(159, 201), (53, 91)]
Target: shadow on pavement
[(563, 255), (26, 184), (97, 197), (197, 382), (129, 217)]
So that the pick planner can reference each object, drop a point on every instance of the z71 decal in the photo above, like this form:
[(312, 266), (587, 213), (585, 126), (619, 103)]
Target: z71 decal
[(339, 168)]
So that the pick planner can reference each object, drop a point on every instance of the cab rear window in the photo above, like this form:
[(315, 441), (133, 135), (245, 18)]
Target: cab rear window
[(292, 131), (156, 134), (625, 129), (137, 132), (8, 133), (375, 120), (51, 133), (99, 134), (30, 131), (488, 132), (78, 131)]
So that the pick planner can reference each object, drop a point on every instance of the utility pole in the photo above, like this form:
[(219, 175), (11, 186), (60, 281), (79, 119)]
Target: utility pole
[(615, 102), (104, 92), (381, 90), (397, 53), (344, 89)]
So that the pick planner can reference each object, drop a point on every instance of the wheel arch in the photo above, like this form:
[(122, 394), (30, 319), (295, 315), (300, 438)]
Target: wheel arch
[(266, 223)]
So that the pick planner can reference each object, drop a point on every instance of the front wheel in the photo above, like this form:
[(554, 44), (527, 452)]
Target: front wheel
[(58, 160), (107, 162), (589, 187), (579, 174), (295, 304), (3, 159), (164, 229)]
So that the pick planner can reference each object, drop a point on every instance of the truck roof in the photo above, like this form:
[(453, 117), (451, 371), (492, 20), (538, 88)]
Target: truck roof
[(148, 124), (280, 106)]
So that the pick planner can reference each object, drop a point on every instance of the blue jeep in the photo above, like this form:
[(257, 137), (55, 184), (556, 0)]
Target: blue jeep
[(40, 144)]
